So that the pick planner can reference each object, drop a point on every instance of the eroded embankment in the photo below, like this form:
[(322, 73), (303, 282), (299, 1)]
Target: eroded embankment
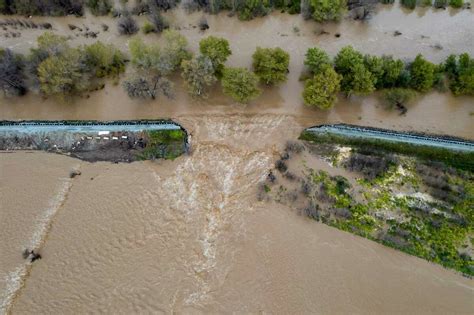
[(117, 141), (456, 152), (407, 194)]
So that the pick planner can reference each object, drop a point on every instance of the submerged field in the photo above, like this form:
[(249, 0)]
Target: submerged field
[(420, 206)]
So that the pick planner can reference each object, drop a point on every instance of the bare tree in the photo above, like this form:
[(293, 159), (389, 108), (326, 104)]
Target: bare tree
[(11, 75), (141, 87), (127, 25)]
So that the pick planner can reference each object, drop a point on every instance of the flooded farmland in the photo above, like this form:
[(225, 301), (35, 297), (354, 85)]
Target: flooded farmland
[(189, 235)]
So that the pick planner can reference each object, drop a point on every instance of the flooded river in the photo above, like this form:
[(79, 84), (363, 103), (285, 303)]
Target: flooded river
[(189, 236)]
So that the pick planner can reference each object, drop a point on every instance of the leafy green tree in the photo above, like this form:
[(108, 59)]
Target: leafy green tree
[(240, 84), (321, 90), (422, 73), (271, 64), (356, 78), (217, 49), (198, 74), (249, 9), (316, 60), (104, 60), (375, 66), (163, 59), (461, 74), (328, 10), (392, 70), (62, 75)]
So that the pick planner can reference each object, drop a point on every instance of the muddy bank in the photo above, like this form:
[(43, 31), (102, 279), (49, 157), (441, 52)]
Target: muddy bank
[(115, 141)]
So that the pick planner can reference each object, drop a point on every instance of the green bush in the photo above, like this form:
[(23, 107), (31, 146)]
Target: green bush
[(327, 10), (217, 49), (456, 3)]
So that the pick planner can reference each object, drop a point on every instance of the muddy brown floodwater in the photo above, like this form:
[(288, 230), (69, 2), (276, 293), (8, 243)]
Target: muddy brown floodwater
[(189, 236)]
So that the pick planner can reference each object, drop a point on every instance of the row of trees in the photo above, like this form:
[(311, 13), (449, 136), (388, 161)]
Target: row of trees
[(54, 7), (57, 69), (154, 64), (439, 4), (320, 10), (354, 73)]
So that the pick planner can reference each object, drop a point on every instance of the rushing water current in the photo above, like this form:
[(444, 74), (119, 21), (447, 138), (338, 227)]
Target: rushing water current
[(189, 235)]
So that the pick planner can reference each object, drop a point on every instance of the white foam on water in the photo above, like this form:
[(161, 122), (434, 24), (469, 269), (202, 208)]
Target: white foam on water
[(14, 279)]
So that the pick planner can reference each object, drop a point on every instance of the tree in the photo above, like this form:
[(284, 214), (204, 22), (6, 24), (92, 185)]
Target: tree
[(356, 78), (11, 75), (217, 49), (198, 74), (145, 88), (163, 59), (127, 25), (321, 90), (328, 10), (271, 64), (240, 84), (62, 75), (398, 96), (422, 74), (104, 60), (317, 60), (376, 67), (392, 70), (461, 74)]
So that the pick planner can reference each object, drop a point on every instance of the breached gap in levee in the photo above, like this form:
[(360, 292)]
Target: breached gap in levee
[(453, 151), (89, 140)]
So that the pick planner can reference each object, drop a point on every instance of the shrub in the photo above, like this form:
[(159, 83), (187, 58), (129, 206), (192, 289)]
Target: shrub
[(271, 64), (321, 90), (148, 28), (461, 74), (316, 60), (240, 84), (198, 74), (158, 22), (127, 25)]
